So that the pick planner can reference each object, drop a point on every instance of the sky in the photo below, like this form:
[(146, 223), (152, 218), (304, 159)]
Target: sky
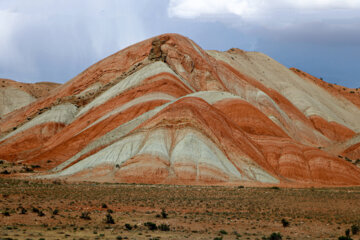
[(54, 40)]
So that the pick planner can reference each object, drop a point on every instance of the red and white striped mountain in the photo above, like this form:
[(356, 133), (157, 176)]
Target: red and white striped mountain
[(15, 95), (166, 111)]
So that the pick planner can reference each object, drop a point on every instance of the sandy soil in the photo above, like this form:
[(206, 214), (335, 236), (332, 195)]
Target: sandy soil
[(194, 212)]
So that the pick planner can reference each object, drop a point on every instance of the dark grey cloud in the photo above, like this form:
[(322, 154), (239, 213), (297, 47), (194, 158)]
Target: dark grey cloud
[(52, 40), (320, 36)]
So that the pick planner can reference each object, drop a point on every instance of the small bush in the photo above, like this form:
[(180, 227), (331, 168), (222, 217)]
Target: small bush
[(355, 229), (164, 214), (56, 182), (222, 231), (151, 226), (55, 212), (5, 172), (6, 213), (347, 232), (85, 216), (347, 235), (35, 210), (164, 227), (109, 219), (273, 236), (23, 210), (103, 205), (275, 188), (128, 226), (218, 238), (285, 222), (110, 211), (344, 238), (27, 169), (41, 214)]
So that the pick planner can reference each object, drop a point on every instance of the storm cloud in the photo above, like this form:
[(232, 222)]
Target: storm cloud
[(48, 40)]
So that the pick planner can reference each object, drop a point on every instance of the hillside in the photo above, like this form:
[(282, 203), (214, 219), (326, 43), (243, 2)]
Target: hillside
[(166, 111), (14, 95)]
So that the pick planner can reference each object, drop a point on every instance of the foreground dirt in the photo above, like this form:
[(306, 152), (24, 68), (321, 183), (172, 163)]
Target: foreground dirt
[(194, 212)]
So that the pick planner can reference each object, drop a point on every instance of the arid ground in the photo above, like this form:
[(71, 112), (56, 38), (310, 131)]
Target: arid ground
[(59, 210)]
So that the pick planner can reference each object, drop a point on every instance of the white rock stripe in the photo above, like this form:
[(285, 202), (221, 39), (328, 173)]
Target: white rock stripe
[(308, 97), (63, 113), (130, 82)]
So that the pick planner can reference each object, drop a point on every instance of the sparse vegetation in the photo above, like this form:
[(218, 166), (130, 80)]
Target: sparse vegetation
[(163, 213), (344, 238), (6, 213), (164, 227), (285, 222), (151, 226), (355, 229), (85, 216), (347, 235), (5, 172), (109, 219), (253, 212), (41, 213), (22, 210), (273, 236), (56, 182), (27, 169), (35, 210), (222, 231), (128, 226)]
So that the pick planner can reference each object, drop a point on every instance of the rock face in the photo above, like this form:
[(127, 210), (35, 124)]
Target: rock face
[(166, 111), (14, 95)]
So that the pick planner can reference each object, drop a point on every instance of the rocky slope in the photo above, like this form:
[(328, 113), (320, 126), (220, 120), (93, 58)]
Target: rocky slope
[(166, 111), (14, 95)]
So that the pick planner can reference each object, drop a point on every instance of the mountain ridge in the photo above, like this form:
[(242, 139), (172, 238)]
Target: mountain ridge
[(166, 111)]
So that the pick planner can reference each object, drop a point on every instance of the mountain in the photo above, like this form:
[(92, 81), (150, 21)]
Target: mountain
[(15, 95), (166, 111)]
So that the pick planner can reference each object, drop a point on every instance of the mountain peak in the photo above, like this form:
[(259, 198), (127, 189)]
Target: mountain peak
[(166, 111)]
